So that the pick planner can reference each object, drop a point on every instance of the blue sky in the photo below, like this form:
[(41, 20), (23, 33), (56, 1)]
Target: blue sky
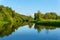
[(29, 7)]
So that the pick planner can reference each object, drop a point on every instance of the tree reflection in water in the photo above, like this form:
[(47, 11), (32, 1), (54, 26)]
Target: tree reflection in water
[(7, 29)]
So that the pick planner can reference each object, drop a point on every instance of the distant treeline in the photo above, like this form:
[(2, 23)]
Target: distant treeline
[(46, 16)]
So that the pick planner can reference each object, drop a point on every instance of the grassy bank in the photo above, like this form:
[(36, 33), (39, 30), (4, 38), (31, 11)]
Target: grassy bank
[(48, 22)]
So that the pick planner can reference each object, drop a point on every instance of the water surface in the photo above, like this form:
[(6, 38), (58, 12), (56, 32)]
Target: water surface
[(34, 32)]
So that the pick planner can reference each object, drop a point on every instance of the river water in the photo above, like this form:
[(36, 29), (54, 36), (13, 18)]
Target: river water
[(34, 32)]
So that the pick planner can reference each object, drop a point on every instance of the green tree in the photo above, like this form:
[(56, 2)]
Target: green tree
[(38, 16), (50, 15)]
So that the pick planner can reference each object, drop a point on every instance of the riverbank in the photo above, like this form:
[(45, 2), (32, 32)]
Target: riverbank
[(48, 22)]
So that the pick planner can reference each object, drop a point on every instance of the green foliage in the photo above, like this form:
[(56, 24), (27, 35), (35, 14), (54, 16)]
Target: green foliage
[(38, 16), (50, 15), (47, 16), (9, 15)]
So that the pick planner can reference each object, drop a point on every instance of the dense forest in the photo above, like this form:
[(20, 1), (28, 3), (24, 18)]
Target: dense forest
[(7, 15)]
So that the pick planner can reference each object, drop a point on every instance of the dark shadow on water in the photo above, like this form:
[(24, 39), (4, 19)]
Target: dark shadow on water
[(49, 23)]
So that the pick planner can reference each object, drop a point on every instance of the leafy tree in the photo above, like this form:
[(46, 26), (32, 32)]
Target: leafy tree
[(38, 16), (50, 15)]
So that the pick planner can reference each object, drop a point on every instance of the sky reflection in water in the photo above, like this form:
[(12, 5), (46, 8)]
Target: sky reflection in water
[(26, 33)]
